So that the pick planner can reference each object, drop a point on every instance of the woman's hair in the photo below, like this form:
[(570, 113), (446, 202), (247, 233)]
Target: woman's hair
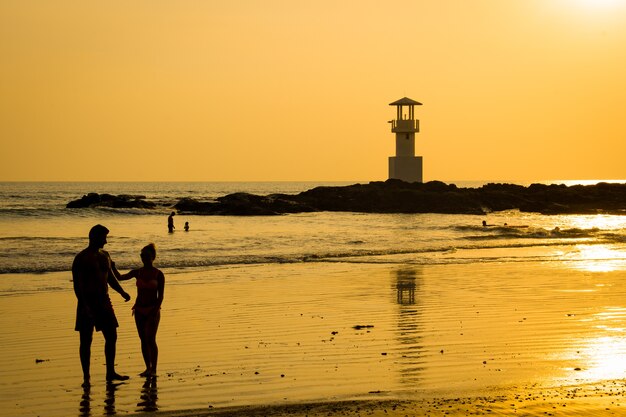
[(151, 249)]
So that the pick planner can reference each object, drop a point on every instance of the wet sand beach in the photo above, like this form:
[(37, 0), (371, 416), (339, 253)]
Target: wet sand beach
[(523, 338)]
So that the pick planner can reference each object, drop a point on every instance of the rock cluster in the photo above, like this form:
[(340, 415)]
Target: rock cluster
[(395, 196), (109, 200)]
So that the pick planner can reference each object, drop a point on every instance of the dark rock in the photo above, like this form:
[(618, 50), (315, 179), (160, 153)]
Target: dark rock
[(191, 205), (243, 204), (395, 196), (108, 200)]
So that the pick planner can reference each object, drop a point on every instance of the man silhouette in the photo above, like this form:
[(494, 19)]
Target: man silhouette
[(92, 272)]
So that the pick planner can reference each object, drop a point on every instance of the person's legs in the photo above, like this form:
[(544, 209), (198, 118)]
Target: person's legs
[(86, 337), (110, 340), (154, 355), (140, 322), (151, 332)]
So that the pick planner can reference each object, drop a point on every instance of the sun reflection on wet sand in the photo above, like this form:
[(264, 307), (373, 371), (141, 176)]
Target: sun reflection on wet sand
[(602, 356), (597, 258)]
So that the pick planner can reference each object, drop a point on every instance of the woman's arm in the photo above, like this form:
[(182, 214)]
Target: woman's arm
[(160, 288)]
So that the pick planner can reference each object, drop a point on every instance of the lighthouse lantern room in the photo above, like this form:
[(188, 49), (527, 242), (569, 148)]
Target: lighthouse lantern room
[(405, 165)]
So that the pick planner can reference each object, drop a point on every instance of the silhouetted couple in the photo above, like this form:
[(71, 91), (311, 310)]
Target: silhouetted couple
[(93, 272)]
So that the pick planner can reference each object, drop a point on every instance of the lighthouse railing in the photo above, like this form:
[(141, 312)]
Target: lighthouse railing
[(409, 125)]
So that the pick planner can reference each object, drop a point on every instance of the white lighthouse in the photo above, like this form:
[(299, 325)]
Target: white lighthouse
[(405, 165)]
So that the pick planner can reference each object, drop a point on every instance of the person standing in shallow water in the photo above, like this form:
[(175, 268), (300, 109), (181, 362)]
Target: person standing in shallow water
[(170, 222), (147, 308), (93, 272)]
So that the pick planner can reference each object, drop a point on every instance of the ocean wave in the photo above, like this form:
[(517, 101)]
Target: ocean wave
[(425, 256), (526, 232), (23, 239), (48, 212), (133, 211), (21, 291), (615, 237), (30, 212)]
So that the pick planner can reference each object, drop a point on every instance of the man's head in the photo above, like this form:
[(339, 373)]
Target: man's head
[(98, 235)]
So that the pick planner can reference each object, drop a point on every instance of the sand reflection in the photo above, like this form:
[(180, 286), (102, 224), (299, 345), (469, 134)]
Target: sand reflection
[(598, 258), (84, 407), (109, 399), (604, 357), (409, 335), (406, 282), (601, 356), (149, 395)]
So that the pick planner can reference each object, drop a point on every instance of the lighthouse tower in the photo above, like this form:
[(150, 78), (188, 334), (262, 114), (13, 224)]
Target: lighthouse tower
[(405, 165)]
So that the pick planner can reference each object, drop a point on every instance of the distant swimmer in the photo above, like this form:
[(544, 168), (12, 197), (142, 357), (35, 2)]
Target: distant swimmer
[(516, 226), (186, 226), (170, 222)]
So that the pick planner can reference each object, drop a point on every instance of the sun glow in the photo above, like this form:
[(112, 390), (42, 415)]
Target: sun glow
[(599, 4), (606, 13), (603, 15)]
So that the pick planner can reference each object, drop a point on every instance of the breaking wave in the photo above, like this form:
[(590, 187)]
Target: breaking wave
[(182, 260)]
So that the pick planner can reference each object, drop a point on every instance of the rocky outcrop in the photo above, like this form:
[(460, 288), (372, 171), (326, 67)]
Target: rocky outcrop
[(394, 196), (114, 201), (245, 204), (556, 199)]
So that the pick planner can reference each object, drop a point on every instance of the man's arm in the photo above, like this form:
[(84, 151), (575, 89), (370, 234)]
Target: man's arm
[(126, 276), (78, 279), (114, 283)]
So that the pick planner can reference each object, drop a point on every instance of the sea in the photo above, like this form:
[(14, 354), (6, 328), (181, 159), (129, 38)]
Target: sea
[(38, 234), (326, 306)]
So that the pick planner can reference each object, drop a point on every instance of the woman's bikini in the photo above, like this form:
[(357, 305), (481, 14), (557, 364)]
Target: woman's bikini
[(147, 287)]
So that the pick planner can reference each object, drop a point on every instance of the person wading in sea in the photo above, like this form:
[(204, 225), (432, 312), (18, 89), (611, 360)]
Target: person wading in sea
[(170, 222)]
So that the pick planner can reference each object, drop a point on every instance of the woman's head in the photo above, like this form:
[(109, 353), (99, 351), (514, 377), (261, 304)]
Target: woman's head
[(148, 253)]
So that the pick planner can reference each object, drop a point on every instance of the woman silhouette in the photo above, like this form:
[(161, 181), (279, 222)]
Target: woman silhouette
[(147, 308)]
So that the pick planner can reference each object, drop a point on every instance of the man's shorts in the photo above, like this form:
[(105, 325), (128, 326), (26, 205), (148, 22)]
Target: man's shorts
[(102, 315)]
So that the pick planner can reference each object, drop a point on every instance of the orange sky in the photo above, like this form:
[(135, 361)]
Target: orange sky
[(299, 90)]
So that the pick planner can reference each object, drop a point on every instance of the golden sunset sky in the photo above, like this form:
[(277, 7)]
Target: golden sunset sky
[(246, 90)]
